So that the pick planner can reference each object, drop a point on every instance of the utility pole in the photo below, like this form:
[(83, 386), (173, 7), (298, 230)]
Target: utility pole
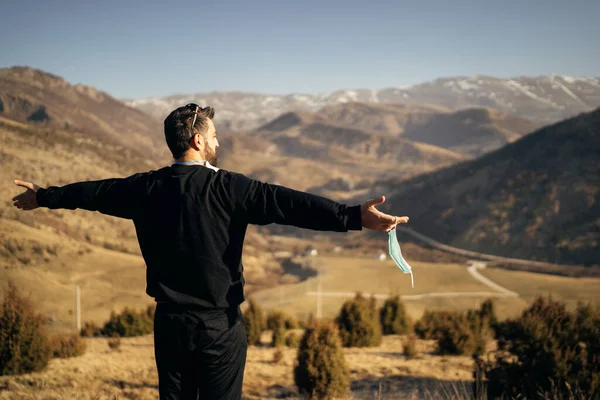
[(280, 296), (78, 311), (319, 299)]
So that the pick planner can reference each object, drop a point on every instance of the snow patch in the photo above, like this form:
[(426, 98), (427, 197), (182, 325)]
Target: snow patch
[(351, 94), (517, 86), (466, 85), (374, 96), (571, 94)]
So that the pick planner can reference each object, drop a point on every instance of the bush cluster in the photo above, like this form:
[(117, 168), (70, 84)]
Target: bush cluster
[(255, 322), (393, 317), (90, 329), (358, 323), (279, 322), (24, 344), (456, 337), (431, 324), (459, 333), (275, 317), (125, 324), (320, 370), (548, 352), (67, 346)]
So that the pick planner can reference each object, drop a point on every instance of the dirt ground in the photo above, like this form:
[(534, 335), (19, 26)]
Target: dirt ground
[(130, 373)]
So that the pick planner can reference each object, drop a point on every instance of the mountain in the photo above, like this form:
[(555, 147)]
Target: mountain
[(472, 131), (543, 99), (342, 149), (309, 151), (537, 198), (36, 97)]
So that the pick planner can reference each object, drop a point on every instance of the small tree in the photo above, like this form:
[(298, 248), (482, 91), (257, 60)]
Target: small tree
[(487, 312), (255, 322), (279, 334), (24, 345), (277, 356), (114, 343), (393, 317), (358, 323), (456, 337), (67, 346), (320, 370), (410, 346), (292, 340)]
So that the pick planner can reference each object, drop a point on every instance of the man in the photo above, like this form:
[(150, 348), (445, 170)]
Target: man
[(191, 219)]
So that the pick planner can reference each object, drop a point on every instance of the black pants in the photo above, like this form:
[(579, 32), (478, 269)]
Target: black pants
[(199, 354)]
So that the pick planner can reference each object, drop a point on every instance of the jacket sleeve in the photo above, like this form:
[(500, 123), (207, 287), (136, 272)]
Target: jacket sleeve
[(119, 197), (261, 203)]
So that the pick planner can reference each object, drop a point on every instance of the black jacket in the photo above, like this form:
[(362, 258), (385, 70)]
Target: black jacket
[(191, 222)]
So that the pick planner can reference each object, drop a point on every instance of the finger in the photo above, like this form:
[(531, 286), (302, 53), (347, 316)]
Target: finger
[(401, 220), (387, 219), (27, 185), (19, 197), (375, 202)]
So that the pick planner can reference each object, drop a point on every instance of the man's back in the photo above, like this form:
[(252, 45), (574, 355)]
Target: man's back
[(190, 242)]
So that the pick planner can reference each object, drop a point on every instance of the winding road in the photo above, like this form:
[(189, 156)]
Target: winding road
[(473, 269), (474, 266)]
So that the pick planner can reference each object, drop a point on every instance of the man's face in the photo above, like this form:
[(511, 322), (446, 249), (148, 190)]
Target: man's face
[(211, 144)]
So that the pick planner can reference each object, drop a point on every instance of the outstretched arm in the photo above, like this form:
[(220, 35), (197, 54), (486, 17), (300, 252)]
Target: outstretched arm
[(117, 197), (261, 203)]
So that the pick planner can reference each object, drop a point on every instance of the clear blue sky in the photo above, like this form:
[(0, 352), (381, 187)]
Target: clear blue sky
[(148, 48)]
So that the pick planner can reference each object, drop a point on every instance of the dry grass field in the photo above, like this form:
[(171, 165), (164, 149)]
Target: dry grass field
[(529, 285), (130, 373), (367, 275)]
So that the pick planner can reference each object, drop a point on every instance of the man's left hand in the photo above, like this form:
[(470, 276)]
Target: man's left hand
[(26, 200)]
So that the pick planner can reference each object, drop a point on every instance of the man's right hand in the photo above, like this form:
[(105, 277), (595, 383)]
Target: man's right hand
[(376, 220)]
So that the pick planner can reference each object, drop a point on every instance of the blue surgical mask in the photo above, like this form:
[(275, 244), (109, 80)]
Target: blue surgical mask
[(396, 254)]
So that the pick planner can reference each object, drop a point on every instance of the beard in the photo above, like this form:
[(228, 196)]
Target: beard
[(211, 156)]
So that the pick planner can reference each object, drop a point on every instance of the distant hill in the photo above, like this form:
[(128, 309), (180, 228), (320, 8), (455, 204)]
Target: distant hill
[(472, 131), (542, 99), (537, 198), (388, 118), (36, 97), (307, 151)]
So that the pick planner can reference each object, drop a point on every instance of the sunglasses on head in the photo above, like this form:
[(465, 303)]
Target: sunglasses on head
[(196, 108)]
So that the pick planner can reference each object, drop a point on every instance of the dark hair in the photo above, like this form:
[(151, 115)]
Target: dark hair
[(179, 130)]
